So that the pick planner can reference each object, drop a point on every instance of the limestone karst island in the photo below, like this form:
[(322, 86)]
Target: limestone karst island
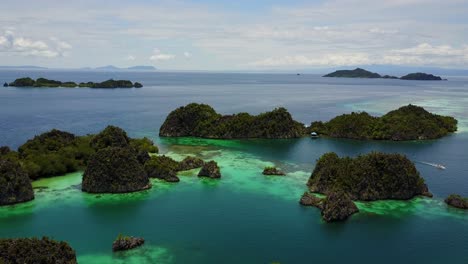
[(199, 132)]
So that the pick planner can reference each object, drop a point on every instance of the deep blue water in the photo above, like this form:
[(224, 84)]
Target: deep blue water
[(234, 221)]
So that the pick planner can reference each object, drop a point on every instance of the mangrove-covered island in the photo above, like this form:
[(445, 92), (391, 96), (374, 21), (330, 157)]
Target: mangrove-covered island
[(43, 82), (361, 73)]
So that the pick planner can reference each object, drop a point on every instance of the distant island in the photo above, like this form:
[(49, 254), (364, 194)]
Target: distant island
[(361, 73), (421, 76), (110, 68), (43, 82), (370, 177), (406, 123), (201, 120)]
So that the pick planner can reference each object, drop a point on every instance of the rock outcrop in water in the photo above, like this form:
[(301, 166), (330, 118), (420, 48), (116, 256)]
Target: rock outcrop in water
[(375, 176), (457, 201), (114, 170), (210, 170), (190, 163), (15, 185), (406, 123), (162, 167), (43, 82), (309, 199), (273, 171), (200, 120), (123, 243), (33, 251), (338, 206)]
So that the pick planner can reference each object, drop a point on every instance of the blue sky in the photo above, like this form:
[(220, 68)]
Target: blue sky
[(234, 35)]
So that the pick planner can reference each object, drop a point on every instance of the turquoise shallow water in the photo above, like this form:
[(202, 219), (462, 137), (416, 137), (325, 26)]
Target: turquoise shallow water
[(245, 217)]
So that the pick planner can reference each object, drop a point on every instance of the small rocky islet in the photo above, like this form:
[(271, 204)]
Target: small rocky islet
[(371, 177), (361, 73), (457, 201), (123, 243), (273, 171), (43, 82)]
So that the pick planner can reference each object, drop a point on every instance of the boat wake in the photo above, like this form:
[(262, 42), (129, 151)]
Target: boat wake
[(435, 165)]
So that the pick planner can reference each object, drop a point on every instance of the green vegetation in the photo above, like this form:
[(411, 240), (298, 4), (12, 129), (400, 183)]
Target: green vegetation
[(419, 76), (54, 153), (114, 170), (15, 185), (144, 144), (57, 152), (201, 120), (457, 201), (406, 123), (33, 250), (370, 177), (356, 73), (111, 136), (43, 82), (162, 167), (23, 82)]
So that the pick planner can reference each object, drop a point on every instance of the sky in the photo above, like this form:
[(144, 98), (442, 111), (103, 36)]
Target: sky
[(234, 35)]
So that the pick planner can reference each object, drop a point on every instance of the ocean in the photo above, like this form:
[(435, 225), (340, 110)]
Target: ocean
[(244, 217)]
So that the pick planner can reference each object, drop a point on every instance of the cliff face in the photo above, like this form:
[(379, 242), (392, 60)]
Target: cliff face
[(370, 177), (33, 250), (199, 120), (114, 170), (15, 185)]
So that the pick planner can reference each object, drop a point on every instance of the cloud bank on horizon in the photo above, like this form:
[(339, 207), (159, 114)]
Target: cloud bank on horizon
[(234, 35)]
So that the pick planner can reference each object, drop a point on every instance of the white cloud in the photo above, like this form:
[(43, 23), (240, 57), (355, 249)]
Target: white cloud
[(323, 60), (187, 54), (159, 56), (422, 54), (11, 44), (130, 58)]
